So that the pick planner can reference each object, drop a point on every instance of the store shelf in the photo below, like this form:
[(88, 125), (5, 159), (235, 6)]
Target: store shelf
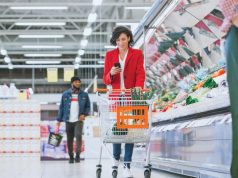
[(20, 112), (19, 125), (19, 138), (207, 107), (20, 128)]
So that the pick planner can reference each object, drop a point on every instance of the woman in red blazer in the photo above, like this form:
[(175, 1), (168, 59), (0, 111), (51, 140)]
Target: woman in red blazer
[(124, 68)]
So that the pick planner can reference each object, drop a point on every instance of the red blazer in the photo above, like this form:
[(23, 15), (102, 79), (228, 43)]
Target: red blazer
[(134, 72)]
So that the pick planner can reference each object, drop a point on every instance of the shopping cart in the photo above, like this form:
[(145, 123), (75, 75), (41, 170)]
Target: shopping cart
[(124, 119)]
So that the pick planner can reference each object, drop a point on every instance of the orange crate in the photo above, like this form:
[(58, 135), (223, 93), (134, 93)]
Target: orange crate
[(132, 117)]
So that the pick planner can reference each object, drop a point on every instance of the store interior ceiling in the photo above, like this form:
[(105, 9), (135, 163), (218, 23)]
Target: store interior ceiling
[(66, 33)]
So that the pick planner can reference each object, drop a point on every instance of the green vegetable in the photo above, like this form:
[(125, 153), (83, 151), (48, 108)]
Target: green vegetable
[(116, 131), (137, 94), (175, 35), (210, 83), (191, 100)]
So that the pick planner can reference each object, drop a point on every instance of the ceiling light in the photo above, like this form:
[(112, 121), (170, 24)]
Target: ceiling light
[(3, 52), (92, 17), (126, 23), (84, 43), (7, 59), (41, 36), (109, 47), (100, 62), (40, 23), (133, 26), (81, 52), (39, 7), (43, 62), (137, 8), (76, 66), (10, 66), (42, 55), (41, 46), (77, 59), (87, 31), (97, 2)]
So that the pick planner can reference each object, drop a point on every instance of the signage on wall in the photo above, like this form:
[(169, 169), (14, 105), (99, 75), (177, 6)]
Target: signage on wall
[(52, 74), (68, 73)]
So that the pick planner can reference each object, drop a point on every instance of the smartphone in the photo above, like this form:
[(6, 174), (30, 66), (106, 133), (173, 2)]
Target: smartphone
[(117, 64)]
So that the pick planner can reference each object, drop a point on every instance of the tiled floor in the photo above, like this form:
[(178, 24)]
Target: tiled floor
[(32, 168)]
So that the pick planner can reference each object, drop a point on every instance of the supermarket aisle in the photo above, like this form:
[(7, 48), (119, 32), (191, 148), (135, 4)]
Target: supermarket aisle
[(23, 168)]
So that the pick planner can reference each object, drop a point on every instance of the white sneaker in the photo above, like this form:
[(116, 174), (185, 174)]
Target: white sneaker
[(115, 163), (127, 173)]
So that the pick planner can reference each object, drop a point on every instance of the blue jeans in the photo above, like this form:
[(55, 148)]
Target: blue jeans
[(128, 152)]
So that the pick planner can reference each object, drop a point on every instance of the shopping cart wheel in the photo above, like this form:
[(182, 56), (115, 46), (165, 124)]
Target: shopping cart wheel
[(98, 172), (147, 173), (114, 173)]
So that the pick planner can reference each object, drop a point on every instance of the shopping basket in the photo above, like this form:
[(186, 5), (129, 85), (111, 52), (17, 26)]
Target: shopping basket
[(54, 139)]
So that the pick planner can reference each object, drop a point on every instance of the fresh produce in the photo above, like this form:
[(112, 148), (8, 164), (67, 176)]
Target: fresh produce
[(218, 73), (191, 100), (210, 83)]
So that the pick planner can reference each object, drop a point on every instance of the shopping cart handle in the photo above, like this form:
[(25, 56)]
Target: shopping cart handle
[(104, 90)]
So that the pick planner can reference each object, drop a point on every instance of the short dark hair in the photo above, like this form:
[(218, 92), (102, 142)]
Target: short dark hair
[(118, 31), (75, 78)]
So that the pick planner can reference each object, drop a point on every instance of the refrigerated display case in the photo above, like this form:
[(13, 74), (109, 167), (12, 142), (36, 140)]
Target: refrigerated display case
[(184, 63)]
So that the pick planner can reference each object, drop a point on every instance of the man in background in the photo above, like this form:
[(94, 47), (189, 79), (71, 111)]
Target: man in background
[(74, 106)]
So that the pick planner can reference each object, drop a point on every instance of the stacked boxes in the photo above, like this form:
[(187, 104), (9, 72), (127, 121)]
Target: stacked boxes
[(20, 128)]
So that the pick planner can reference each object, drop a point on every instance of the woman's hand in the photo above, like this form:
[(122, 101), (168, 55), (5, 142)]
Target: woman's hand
[(115, 70)]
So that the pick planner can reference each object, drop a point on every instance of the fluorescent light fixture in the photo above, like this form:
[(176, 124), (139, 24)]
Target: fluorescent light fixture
[(84, 43), (7, 59), (40, 23), (10, 66), (3, 52), (126, 23), (100, 62), (137, 8), (39, 7), (76, 66), (42, 55), (41, 36), (109, 47), (97, 2), (92, 17), (87, 31), (81, 52), (78, 59), (133, 26), (43, 62), (41, 47)]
